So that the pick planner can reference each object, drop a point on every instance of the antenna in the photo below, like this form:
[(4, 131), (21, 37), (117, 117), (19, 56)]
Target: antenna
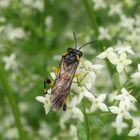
[(87, 44), (75, 40)]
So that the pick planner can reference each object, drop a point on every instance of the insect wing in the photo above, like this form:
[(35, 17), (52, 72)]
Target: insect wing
[(62, 83)]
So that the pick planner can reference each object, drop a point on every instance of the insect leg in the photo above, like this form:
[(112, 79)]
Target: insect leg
[(64, 105), (47, 81)]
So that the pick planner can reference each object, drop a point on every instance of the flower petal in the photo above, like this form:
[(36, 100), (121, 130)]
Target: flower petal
[(127, 115), (102, 55), (118, 97), (120, 68), (133, 132), (102, 97), (128, 61), (53, 76), (47, 108), (136, 75), (114, 109), (103, 107), (40, 99), (88, 94), (119, 119)]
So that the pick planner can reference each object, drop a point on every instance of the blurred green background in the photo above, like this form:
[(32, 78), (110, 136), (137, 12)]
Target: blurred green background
[(33, 36)]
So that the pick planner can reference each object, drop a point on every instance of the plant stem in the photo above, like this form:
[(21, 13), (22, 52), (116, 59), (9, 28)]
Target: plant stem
[(93, 19), (12, 102), (92, 16), (86, 121)]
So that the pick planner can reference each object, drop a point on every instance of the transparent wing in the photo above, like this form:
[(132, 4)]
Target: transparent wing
[(62, 83)]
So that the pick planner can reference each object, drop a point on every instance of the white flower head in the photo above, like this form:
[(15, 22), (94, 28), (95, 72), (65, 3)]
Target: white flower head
[(127, 23), (137, 74), (126, 98), (99, 103), (48, 23), (112, 96), (46, 101), (73, 132), (109, 54), (122, 62), (85, 93), (74, 110), (136, 127), (4, 3), (86, 73), (37, 4), (87, 65), (119, 126), (14, 32), (124, 48), (121, 112), (99, 4), (10, 62), (115, 9), (53, 75), (104, 34)]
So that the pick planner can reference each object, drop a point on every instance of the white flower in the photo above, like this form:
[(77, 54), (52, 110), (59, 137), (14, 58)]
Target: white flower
[(87, 65), (136, 128), (122, 62), (110, 54), (97, 67), (4, 3), (48, 23), (127, 23), (53, 75), (84, 93), (112, 96), (119, 126), (11, 133), (137, 74), (98, 103), (46, 101), (104, 34), (126, 98), (42, 130), (115, 9), (77, 113), (86, 73), (98, 4), (37, 4), (73, 132), (121, 112), (10, 62), (14, 33), (74, 110), (122, 48)]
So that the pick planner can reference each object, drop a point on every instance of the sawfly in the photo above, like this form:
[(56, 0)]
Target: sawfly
[(62, 84)]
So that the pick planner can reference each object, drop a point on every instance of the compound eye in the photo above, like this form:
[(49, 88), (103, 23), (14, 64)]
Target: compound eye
[(80, 53)]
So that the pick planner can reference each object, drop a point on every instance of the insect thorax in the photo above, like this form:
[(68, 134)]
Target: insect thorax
[(72, 55)]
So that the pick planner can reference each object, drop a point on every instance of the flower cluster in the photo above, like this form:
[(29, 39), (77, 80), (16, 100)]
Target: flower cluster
[(81, 87), (123, 102), (126, 103), (118, 56)]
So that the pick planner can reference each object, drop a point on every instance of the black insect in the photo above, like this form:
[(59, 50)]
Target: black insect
[(62, 84)]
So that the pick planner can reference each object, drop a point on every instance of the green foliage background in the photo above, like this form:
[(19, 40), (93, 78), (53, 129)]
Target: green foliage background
[(35, 56)]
